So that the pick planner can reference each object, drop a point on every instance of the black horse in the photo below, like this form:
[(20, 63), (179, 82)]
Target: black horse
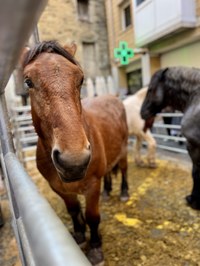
[(179, 88)]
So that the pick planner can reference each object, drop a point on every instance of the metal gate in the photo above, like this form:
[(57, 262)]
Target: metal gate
[(174, 141), (42, 238)]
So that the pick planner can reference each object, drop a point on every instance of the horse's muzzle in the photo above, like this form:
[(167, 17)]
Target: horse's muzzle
[(145, 114), (148, 123), (71, 169), (73, 176)]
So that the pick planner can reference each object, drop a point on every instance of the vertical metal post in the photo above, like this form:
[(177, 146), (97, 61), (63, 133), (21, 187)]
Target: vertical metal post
[(5, 128), (146, 71)]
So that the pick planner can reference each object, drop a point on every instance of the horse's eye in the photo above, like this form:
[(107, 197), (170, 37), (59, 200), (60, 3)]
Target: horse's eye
[(28, 83)]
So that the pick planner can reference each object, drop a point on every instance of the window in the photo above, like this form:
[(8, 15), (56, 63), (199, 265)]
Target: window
[(134, 80), (126, 17), (83, 9), (138, 2)]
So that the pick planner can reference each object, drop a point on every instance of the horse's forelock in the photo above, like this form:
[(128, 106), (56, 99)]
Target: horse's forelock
[(157, 77), (48, 47), (160, 75)]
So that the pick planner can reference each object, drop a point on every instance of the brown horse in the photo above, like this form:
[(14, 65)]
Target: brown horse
[(79, 141)]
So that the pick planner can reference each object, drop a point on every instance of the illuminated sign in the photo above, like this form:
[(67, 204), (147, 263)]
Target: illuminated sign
[(123, 53)]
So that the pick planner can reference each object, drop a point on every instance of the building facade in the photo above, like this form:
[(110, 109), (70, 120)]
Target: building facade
[(82, 22), (163, 33), (119, 13)]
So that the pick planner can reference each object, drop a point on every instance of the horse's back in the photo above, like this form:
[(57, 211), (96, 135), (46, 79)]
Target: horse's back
[(105, 107), (132, 106), (108, 126)]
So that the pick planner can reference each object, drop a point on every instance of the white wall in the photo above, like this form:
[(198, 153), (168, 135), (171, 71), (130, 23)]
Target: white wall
[(188, 55)]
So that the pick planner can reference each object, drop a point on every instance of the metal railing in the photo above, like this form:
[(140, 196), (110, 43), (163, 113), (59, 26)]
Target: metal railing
[(174, 143), (42, 238), (25, 137)]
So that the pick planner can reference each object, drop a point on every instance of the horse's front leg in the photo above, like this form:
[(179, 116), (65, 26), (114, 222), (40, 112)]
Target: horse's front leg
[(193, 200), (151, 154), (74, 209), (92, 215), (137, 151)]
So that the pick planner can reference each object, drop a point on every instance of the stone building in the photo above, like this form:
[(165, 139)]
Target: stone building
[(163, 33), (82, 22)]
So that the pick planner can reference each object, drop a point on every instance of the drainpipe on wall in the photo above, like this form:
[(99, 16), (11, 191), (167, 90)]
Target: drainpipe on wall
[(146, 68), (115, 75), (146, 71)]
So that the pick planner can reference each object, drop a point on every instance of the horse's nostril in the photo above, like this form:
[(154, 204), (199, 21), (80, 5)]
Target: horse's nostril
[(88, 147), (56, 156)]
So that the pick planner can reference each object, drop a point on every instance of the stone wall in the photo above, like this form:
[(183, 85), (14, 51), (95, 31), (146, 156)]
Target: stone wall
[(60, 21)]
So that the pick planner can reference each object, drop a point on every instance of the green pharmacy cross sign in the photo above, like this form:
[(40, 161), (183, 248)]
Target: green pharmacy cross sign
[(123, 53)]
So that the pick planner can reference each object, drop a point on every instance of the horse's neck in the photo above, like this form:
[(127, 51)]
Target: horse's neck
[(141, 93), (177, 98)]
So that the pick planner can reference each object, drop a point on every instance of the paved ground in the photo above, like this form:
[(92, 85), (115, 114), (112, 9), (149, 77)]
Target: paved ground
[(154, 228)]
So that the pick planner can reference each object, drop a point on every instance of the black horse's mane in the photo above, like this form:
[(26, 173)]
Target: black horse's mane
[(49, 47), (180, 85), (185, 78)]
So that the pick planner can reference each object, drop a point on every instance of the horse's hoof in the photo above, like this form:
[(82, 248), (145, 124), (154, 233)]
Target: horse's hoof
[(124, 196), (193, 202), (95, 256), (80, 239), (105, 195), (152, 165), (140, 163)]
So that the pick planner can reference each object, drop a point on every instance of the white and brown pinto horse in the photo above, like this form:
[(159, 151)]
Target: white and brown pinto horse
[(79, 141), (179, 88), (136, 124)]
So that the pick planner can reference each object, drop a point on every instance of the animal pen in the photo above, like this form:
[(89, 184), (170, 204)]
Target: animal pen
[(26, 137), (38, 230)]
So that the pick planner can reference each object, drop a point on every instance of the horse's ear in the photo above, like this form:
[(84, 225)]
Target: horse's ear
[(71, 48), (163, 73), (23, 56)]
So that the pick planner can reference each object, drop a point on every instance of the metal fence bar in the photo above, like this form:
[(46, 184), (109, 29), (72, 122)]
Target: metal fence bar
[(165, 141), (172, 149), (42, 229), (176, 114), (166, 126), (159, 136), (17, 20)]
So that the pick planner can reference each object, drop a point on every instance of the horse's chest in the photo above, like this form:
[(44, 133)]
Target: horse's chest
[(62, 188)]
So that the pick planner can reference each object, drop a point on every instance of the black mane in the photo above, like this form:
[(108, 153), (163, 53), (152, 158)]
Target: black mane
[(188, 78), (49, 47)]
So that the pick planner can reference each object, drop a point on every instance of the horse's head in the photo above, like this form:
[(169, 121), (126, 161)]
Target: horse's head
[(154, 101), (54, 79)]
